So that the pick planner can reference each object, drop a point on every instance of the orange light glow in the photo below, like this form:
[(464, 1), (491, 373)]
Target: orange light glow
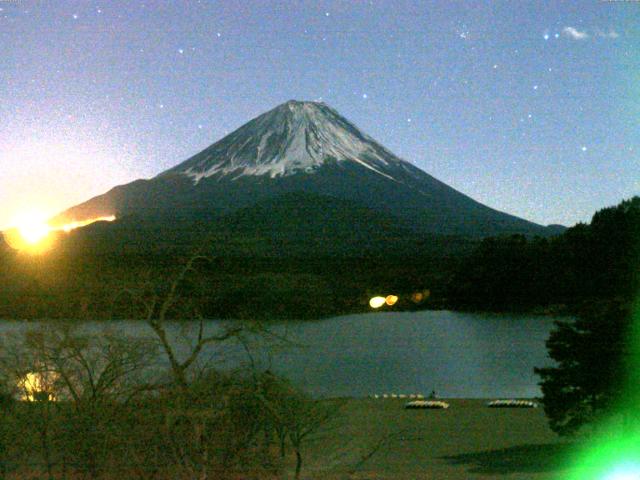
[(391, 300), (31, 232), (37, 386), (73, 225)]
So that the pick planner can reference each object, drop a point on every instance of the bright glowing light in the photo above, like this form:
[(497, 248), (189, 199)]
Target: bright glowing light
[(32, 233), (391, 300), (377, 302), (613, 455), (37, 386), (624, 472), (32, 228), (73, 225)]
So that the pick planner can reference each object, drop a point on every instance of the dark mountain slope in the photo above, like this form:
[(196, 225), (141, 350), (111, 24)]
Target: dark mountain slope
[(302, 147)]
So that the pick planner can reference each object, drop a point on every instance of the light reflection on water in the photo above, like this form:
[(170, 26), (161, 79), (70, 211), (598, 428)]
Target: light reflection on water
[(455, 354)]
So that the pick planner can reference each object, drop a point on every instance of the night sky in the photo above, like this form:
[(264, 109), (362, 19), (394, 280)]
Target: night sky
[(532, 108)]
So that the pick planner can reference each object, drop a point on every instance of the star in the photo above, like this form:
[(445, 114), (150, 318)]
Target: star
[(535, 87), (584, 149), (462, 31), (161, 105), (99, 10), (495, 66), (326, 14), (219, 34), (75, 16), (365, 96), (556, 35), (546, 36), (408, 120), (180, 51), (200, 126)]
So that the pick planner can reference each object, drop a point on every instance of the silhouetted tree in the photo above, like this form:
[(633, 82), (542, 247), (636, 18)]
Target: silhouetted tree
[(586, 263), (589, 377)]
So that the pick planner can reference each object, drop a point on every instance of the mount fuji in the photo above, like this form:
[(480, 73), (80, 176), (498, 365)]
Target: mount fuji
[(286, 159)]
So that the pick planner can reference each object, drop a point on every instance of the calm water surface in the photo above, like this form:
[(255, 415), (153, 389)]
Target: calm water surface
[(455, 354)]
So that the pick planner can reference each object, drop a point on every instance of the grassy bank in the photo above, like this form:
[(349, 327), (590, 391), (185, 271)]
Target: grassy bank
[(379, 439), (367, 439)]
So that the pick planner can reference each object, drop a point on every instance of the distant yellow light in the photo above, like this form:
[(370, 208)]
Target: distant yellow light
[(377, 302), (418, 297), (391, 300)]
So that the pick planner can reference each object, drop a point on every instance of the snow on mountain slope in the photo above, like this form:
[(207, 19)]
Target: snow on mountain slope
[(293, 137), (300, 147)]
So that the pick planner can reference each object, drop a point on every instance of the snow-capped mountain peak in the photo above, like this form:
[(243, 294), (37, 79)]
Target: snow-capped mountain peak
[(300, 148), (292, 138)]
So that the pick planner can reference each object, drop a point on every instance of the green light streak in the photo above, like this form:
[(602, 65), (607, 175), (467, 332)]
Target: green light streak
[(611, 456), (613, 451)]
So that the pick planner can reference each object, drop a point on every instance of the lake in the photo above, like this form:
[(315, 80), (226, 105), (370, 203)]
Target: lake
[(456, 354)]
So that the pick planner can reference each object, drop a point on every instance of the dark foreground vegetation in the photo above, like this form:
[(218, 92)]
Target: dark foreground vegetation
[(296, 267), (77, 406), (100, 411), (400, 444)]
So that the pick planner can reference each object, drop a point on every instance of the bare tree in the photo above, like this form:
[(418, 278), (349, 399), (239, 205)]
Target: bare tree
[(295, 417), (98, 409), (156, 308), (74, 385), (194, 419), (33, 383)]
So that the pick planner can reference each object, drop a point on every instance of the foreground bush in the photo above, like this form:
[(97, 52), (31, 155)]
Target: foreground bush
[(75, 406)]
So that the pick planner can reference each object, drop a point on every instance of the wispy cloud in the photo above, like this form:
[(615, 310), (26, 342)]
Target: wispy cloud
[(610, 34), (574, 33)]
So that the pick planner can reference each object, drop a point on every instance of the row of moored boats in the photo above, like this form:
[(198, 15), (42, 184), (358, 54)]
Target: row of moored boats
[(418, 401)]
